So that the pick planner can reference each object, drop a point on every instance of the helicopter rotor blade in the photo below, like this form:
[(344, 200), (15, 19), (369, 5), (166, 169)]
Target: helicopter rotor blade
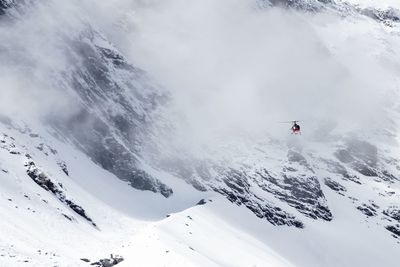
[(289, 121)]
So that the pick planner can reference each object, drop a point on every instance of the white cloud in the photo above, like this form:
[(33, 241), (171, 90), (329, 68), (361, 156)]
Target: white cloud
[(229, 66), (232, 67)]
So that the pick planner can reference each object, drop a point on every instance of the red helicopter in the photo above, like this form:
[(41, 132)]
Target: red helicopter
[(295, 127)]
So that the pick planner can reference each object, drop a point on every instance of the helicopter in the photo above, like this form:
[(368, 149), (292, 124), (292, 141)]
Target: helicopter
[(295, 126)]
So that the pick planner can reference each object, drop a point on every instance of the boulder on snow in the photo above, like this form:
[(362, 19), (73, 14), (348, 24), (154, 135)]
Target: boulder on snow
[(112, 261)]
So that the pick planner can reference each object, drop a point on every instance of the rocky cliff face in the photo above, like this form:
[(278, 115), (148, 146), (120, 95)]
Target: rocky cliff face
[(4, 4), (113, 100), (342, 8), (287, 189), (117, 105)]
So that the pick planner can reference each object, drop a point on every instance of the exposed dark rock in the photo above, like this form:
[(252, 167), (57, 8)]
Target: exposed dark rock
[(111, 155), (117, 59), (112, 261), (304, 194), (79, 210), (367, 210), (274, 215), (385, 175), (360, 156), (394, 229), (386, 16), (67, 217), (301, 192), (393, 212), (310, 6), (389, 14), (63, 167), (390, 193), (373, 204), (15, 152), (201, 202), (237, 190), (289, 169), (52, 150), (142, 180), (364, 169), (5, 4), (237, 181), (334, 185), (85, 260), (45, 182), (40, 147)]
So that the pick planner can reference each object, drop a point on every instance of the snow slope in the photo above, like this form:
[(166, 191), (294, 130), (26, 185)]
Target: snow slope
[(205, 229), (39, 230), (149, 230)]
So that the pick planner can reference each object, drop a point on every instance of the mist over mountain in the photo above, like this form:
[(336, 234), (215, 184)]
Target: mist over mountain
[(159, 132)]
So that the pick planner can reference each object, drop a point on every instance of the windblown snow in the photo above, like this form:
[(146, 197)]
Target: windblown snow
[(149, 133)]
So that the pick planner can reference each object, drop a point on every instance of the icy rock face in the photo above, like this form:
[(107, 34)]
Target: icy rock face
[(303, 193), (112, 261), (335, 186), (308, 5), (4, 4), (113, 101), (393, 213), (387, 15), (237, 190), (343, 8), (118, 100), (287, 187), (394, 229), (362, 157)]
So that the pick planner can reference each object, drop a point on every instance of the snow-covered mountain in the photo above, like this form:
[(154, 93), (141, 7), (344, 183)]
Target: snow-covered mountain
[(151, 130)]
